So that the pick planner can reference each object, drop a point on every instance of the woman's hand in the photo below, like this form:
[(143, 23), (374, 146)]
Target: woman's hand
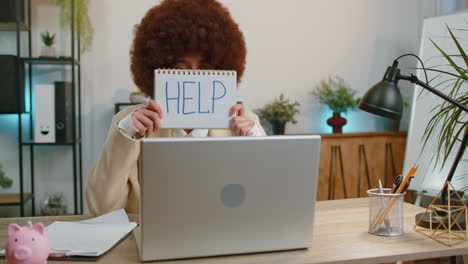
[(147, 119), (240, 124)]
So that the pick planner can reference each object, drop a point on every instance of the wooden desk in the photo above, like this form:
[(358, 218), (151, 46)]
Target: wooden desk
[(340, 237)]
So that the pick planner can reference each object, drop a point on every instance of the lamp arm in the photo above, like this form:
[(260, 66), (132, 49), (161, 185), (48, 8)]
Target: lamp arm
[(460, 153), (415, 80), (464, 142), (459, 156)]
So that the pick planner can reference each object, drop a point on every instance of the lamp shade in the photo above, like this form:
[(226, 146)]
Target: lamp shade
[(383, 99)]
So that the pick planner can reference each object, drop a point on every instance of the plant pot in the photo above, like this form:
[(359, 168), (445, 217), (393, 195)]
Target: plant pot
[(278, 127), (337, 122), (137, 98), (48, 51), (50, 211)]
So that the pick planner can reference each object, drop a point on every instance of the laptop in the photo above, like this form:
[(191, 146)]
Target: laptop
[(225, 196)]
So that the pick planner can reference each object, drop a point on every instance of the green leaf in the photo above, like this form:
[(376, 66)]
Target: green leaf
[(451, 144), (82, 21), (445, 81), (47, 38), (282, 110), (5, 182), (337, 94), (459, 47), (454, 65), (448, 73)]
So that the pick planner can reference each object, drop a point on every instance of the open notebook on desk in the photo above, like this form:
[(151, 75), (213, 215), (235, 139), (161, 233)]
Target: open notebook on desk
[(90, 238)]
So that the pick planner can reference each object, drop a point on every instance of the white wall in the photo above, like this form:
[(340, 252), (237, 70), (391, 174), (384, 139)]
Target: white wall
[(292, 45), (450, 6), (290, 49)]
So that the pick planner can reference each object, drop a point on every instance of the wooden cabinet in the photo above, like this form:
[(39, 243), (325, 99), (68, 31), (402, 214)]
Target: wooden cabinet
[(350, 164)]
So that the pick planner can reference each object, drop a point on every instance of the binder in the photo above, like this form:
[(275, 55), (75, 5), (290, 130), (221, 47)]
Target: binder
[(44, 113), (63, 112)]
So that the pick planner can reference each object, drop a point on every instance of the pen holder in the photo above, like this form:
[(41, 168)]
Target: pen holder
[(385, 212)]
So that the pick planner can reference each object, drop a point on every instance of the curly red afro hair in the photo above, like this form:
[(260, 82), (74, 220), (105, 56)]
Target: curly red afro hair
[(176, 28)]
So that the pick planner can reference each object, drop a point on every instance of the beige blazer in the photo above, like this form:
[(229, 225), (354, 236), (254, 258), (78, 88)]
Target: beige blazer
[(113, 179)]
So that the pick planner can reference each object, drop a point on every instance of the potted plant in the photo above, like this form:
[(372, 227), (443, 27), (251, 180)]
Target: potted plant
[(138, 97), (454, 120), (54, 205), (448, 128), (277, 114), (81, 20), (5, 182), (339, 96), (48, 40)]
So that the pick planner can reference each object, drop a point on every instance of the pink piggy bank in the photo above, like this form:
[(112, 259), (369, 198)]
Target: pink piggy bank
[(27, 244)]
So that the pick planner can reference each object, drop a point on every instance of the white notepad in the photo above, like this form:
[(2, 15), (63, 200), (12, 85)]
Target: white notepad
[(195, 98), (89, 238)]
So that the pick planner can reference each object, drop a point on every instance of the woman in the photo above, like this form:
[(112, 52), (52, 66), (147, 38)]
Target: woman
[(188, 34)]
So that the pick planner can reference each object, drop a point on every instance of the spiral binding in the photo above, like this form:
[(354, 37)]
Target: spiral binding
[(196, 72)]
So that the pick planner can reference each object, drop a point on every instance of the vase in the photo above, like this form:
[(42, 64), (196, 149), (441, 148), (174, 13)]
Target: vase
[(137, 98), (337, 122), (51, 211), (48, 51), (278, 127)]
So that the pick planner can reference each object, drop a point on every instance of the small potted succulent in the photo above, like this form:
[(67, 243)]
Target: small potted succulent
[(138, 97), (48, 40), (277, 114), (54, 204), (5, 182), (339, 96)]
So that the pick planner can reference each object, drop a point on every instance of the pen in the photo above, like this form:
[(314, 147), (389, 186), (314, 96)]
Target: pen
[(410, 174), (387, 221)]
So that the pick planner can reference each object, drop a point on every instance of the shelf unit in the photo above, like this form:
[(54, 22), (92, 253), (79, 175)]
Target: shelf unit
[(26, 142), (14, 198), (51, 61), (12, 26), (21, 198)]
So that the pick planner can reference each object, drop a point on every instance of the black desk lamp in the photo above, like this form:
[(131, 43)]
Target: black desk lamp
[(384, 99)]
